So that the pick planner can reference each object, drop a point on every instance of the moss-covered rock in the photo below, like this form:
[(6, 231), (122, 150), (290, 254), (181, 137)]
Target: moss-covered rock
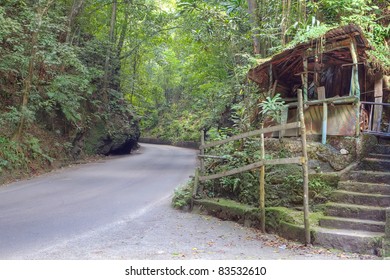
[(118, 135)]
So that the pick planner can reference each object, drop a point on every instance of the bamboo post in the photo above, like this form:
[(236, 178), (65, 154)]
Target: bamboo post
[(324, 122), (357, 114), (284, 119), (201, 160), (262, 184), (378, 109), (305, 80), (202, 141), (196, 186), (355, 87), (270, 92), (305, 169)]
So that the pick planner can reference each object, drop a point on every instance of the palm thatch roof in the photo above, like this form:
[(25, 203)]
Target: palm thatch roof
[(330, 50)]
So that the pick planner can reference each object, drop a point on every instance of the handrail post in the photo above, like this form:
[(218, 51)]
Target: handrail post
[(305, 170), (262, 183), (324, 122), (202, 141), (201, 163)]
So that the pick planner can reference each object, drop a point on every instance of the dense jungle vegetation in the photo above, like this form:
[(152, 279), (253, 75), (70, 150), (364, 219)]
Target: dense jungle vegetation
[(85, 77)]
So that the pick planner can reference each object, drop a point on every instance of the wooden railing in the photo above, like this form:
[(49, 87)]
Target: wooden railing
[(375, 120), (200, 175), (330, 102)]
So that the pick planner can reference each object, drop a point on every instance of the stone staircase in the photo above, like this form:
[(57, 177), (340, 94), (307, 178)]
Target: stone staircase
[(355, 217)]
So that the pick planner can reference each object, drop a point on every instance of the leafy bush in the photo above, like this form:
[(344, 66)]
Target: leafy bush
[(19, 155), (182, 196)]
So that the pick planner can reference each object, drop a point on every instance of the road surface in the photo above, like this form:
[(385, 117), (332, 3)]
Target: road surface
[(119, 208), (66, 204)]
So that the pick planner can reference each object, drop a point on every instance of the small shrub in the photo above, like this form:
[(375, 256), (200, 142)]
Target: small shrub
[(182, 196)]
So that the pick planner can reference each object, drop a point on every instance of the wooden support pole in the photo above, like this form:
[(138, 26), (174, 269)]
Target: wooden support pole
[(284, 118), (262, 184), (271, 80), (355, 87), (196, 186), (378, 109), (324, 122), (357, 113), (202, 141), (305, 80), (201, 160), (305, 170)]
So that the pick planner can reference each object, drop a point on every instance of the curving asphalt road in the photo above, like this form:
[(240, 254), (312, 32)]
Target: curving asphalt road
[(49, 210), (119, 208)]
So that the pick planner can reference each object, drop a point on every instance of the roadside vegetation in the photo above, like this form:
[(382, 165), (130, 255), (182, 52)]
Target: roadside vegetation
[(82, 77)]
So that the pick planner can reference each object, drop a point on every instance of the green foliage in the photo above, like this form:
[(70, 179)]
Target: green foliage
[(11, 155), (272, 107), (18, 156), (182, 196)]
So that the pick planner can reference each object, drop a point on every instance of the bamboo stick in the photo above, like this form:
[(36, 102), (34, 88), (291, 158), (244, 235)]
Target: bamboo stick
[(251, 167), (324, 122), (201, 159), (251, 134), (262, 184), (305, 170)]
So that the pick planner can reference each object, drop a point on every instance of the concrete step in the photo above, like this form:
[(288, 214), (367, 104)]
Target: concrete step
[(355, 211), (369, 176), (361, 242), (352, 224), (375, 164), (364, 187), (381, 149), (358, 198), (381, 156), (384, 140)]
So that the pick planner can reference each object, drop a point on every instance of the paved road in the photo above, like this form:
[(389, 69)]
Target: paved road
[(70, 203), (119, 208)]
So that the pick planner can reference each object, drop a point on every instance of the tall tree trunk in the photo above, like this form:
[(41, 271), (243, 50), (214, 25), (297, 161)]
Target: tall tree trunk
[(135, 65), (302, 11), (116, 61), (285, 20), (111, 39), (40, 13), (74, 12), (124, 28), (254, 19)]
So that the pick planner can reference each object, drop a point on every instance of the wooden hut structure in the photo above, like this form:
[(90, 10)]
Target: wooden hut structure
[(342, 84)]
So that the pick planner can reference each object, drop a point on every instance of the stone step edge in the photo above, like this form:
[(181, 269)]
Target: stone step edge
[(356, 241), (357, 183), (368, 172), (372, 195), (381, 160), (362, 207), (354, 220), (374, 155), (351, 233)]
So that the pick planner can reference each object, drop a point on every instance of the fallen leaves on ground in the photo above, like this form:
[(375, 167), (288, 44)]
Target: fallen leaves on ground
[(298, 248)]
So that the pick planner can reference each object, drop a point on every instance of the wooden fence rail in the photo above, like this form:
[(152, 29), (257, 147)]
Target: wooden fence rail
[(251, 134), (303, 160), (251, 167)]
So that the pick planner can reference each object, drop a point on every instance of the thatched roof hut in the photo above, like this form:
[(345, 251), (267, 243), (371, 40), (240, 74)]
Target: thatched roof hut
[(336, 65)]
